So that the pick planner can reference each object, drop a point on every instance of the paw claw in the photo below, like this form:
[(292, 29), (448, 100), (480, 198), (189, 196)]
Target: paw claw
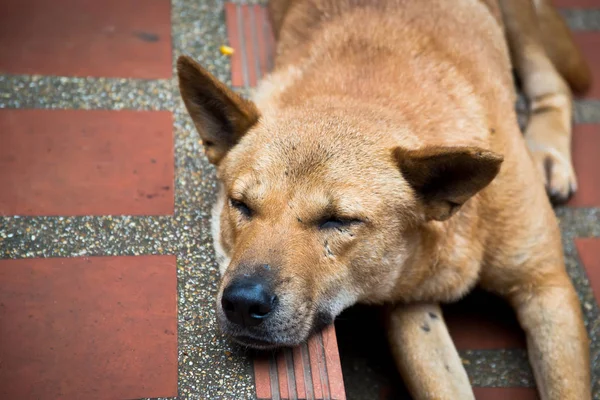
[(558, 174)]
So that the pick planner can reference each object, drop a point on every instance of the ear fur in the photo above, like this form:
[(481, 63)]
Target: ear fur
[(446, 177), (220, 115)]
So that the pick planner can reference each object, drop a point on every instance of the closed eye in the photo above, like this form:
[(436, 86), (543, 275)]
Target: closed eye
[(337, 223), (241, 207)]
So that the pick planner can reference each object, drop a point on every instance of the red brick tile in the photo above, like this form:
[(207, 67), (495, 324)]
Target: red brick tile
[(483, 322), (310, 370), (77, 162), (116, 38), (88, 328), (586, 148), (589, 253), (589, 43), (577, 3), (505, 394)]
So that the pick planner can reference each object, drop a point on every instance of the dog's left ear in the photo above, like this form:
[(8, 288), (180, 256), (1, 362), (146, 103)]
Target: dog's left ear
[(444, 178), (221, 116)]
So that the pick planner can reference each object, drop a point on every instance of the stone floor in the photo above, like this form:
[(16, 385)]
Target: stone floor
[(107, 275)]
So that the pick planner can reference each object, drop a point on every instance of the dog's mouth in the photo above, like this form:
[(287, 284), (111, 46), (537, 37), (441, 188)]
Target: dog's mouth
[(255, 343), (264, 343)]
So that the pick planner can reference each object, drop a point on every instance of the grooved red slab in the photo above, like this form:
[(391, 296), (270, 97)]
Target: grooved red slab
[(249, 33), (505, 394), (316, 368), (233, 33), (589, 253), (586, 160), (589, 43), (311, 370), (116, 38), (577, 3), (88, 328), (77, 162), (483, 322), (265, 46)]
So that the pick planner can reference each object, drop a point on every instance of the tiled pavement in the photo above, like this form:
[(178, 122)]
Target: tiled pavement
[(107, 266)]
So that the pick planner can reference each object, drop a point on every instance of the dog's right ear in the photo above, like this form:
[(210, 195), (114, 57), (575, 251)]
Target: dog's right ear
[(221, 116)]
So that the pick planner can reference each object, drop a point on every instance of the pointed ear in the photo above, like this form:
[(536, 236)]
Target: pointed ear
[(221, 116), (446, 177)]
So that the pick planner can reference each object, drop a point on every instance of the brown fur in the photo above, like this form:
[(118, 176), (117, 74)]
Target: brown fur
[(386, 166)]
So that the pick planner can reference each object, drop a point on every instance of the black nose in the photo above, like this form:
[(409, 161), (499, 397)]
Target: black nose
[(248, 301)]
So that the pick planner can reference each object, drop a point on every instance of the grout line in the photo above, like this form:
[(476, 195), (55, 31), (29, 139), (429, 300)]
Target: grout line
[(275, 395), (308, 384), (291, 378), (255, 43)]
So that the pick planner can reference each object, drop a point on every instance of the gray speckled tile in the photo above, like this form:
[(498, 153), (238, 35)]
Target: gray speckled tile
[(209, 366), (21, 91), (582, 20), (497, 368), (26, 237), (587, 111)]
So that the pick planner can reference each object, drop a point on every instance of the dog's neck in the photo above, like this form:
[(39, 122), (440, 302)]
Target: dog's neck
[(446, 258)]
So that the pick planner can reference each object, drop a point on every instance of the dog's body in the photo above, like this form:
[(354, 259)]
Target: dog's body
[(386, 166)]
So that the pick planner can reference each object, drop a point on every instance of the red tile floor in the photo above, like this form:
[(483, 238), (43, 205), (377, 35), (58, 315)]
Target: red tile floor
[(107, 326), (69, 323)]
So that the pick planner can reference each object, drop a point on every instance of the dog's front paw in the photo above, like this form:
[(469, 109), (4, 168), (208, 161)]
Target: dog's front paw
[(557, 173)]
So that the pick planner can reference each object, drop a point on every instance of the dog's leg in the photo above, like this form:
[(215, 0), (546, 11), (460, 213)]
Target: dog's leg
[(548, 133), (557, 341), (425, 354)]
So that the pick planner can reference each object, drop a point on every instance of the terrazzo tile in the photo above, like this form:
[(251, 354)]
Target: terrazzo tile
[(589, 253), (25, 91), (576, 3), (579, 19)]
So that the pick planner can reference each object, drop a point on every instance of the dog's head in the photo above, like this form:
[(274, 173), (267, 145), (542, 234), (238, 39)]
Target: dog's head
[(319, 209)]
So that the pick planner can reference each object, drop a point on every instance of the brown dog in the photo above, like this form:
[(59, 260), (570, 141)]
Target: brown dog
[(386, 166)]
